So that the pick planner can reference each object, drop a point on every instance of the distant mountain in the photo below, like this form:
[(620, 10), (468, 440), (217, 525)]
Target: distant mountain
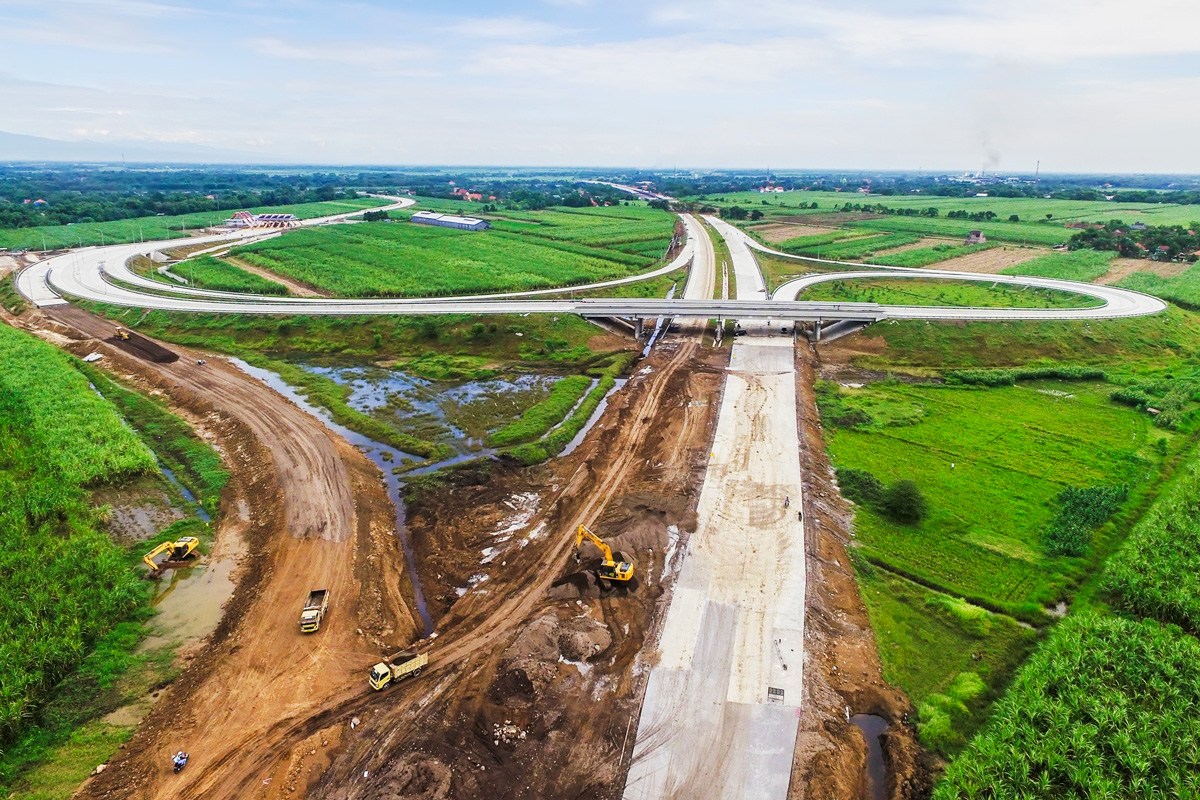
[(18, 147)]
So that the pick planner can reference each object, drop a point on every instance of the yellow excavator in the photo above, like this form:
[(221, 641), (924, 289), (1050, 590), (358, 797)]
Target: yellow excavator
[(170, 554), (612, 570)]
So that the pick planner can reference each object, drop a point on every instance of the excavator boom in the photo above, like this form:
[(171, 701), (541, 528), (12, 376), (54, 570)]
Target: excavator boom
[(610, 569)]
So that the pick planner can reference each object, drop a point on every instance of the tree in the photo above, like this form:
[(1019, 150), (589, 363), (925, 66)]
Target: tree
[(1014, 218), (756, 214), (903, 502)]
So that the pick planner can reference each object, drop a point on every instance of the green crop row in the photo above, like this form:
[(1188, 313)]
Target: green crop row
[(378, 259), (1183, 290), (206, 272), (1156, 573), (1022, 233), (1080, 265), (925, 256), (560, 437), (857, 248), (63, 584), (151, 228), (806, 245), (536, 421), (1104, 708)]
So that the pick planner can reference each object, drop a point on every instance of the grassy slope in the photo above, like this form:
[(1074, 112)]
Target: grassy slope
[(151, 228), (916, 292), (206, 272)]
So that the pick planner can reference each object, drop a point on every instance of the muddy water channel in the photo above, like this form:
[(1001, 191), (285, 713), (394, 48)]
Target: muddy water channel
[(458, 414), (873, 727)]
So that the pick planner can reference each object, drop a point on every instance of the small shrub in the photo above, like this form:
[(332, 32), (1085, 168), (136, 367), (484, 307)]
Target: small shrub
[(859, 486), (904, 502)]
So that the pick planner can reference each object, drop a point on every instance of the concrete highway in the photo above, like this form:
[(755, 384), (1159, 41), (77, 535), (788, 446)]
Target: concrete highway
[(720, 713)]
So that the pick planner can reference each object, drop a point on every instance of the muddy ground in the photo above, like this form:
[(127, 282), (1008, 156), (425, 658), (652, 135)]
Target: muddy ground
[(536, 675), (545, 708), (842, 671)]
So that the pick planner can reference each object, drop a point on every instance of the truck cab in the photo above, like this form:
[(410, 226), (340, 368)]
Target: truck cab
[(381, 676)]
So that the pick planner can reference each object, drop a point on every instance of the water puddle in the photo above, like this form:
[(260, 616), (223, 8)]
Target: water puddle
[(382, 456), (191, 600), (458, 414), (197, 509), (593, 419), (872, 728)]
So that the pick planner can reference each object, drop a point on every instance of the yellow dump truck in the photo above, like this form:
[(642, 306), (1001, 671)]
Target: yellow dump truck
[(397, 668), (314, 610)]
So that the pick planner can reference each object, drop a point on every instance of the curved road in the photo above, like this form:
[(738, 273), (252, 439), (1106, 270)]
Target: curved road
[(100, 274)]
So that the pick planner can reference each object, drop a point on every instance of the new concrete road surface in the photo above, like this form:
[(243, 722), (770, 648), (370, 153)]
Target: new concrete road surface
[(721, 709)]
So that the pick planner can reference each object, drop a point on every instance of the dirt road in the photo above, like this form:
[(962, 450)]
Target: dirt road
[(318, 518)]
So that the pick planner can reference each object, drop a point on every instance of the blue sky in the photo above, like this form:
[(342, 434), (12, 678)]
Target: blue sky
[(1081, 85)]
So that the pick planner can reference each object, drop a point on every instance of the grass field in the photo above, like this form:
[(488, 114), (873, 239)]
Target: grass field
[(533, 250), (1170, 340), (206, 272), (1028, 209), (912, 622), (153, 228), (991, 464), (918, 292)]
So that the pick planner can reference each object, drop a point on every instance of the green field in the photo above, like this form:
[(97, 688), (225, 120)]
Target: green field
[(919, 292), (1183, 290), (1080, 265), (1104, 708), (62, 583), (154, 228), (534, 250), (912, 622), (1163, 341), (1028, 209), (991, 464), (206, 272)]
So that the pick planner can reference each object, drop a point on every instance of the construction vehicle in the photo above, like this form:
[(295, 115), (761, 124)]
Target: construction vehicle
[(400, 666), (122, 334), (612, 570), (314, 610), (171, 554)]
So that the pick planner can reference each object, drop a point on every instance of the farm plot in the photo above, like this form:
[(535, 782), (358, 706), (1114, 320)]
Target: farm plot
[(1105, 708), (918, 292), (991, 465), (373, 260), (62, 583), (206, 272), (150, 228)]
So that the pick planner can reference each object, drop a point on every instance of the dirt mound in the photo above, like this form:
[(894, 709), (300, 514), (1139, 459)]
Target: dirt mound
[(583, 638), (531, 662), (414, 777)]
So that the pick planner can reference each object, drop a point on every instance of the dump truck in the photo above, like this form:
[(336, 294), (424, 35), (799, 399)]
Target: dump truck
[(171, 554), (314, 610), (397, 668), (609, 569)]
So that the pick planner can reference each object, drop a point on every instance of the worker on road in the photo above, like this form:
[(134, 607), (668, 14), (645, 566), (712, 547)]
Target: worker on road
[(787, 501)]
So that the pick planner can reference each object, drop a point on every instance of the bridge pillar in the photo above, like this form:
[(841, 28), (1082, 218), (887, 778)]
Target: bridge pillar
[(817, 331), (639, 329)]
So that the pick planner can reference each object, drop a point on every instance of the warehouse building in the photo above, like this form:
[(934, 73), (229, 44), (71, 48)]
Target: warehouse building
[(451, 221)]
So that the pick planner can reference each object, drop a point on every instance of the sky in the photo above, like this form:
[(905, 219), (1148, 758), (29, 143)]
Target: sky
[(1077, 85)]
